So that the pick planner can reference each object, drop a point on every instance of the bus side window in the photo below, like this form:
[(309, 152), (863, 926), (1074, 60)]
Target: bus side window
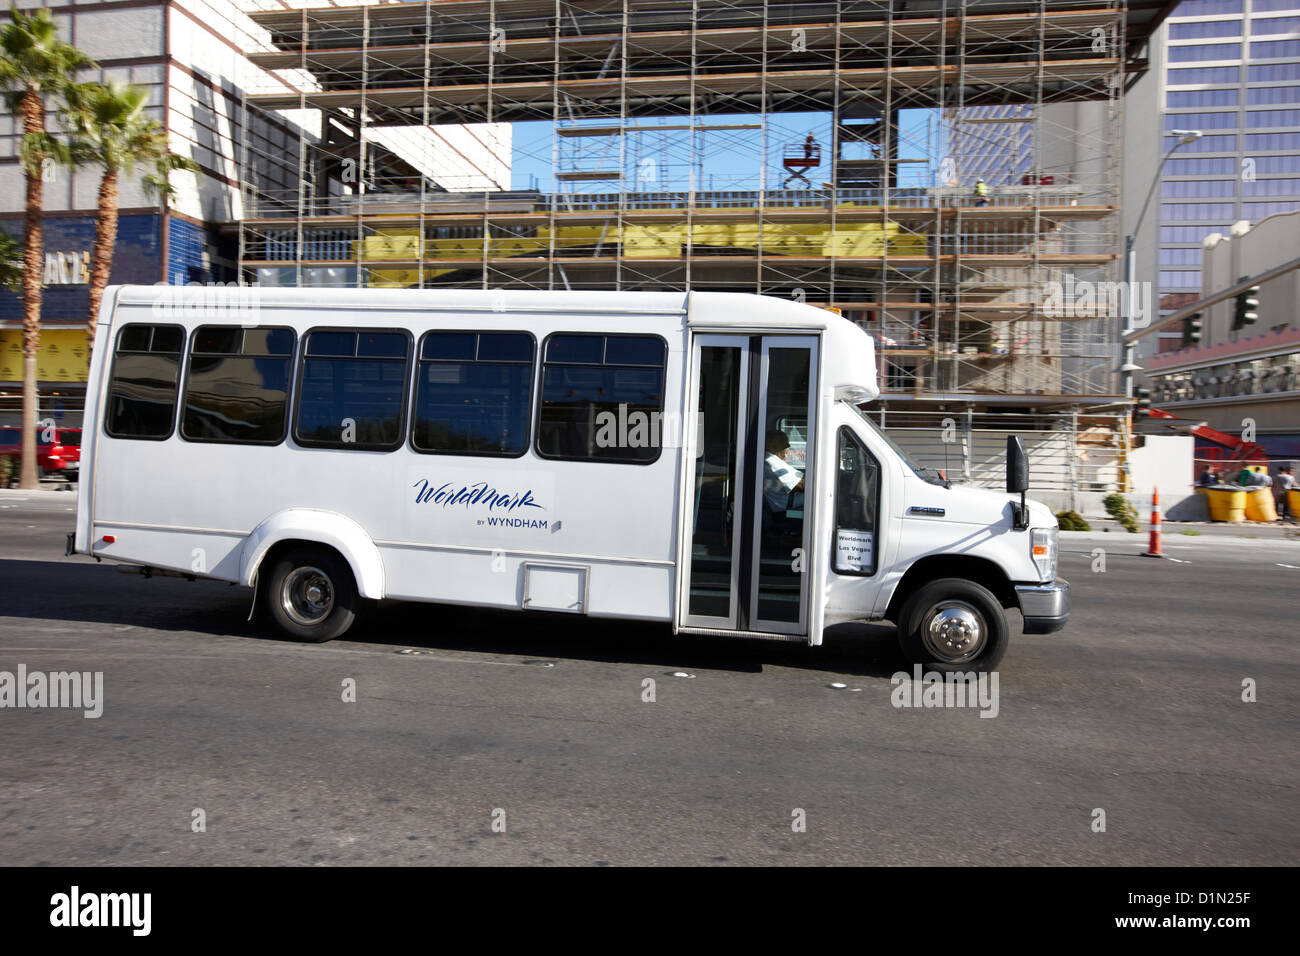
[(237, 385), (602, 398), (352, 389), (473, 393), (857, 507), (142, 388)]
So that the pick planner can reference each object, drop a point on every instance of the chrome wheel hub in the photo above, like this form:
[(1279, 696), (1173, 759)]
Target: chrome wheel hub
[(307, 596), (954, 631)]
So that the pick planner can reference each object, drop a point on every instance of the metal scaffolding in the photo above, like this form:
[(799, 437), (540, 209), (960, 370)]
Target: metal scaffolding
[(825, 151)]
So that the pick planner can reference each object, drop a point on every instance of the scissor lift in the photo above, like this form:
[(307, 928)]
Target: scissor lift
[(798, 158)]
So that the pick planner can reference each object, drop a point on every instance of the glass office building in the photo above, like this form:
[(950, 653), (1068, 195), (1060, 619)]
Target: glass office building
[(1231, 69)]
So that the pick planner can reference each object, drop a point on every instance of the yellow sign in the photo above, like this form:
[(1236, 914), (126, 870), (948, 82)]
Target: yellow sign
[(61, 356)]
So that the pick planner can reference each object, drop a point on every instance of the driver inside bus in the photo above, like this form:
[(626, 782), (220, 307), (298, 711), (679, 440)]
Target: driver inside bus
[(780, 480)]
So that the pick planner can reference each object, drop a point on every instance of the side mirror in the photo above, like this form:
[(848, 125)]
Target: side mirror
[(1017, 465)]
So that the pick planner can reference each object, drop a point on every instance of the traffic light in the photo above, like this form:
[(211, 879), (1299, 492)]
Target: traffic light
[(1246, 308), (1143, 402), (1192, 330)]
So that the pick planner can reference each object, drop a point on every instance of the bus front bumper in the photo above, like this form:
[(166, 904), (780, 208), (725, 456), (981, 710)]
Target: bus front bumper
[(1046, 607)]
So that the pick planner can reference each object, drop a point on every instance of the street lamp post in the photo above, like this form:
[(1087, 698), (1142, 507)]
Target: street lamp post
[(1128, 366)]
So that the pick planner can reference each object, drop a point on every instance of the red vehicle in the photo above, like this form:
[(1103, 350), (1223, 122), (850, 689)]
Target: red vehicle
[(60, 458)]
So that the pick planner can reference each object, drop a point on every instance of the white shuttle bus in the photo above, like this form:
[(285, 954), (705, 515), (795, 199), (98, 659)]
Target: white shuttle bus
[(700, 459)]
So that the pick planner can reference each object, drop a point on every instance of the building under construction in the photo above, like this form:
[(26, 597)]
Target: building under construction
[(932, 168)]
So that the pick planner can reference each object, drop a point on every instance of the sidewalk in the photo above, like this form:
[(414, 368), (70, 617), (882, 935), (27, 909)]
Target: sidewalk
[(48, 493), (1236, 529), (1281, 537)]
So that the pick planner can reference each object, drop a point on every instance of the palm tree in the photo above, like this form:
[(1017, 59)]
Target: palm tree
[(33, 62), (11, 262), (108, 127)]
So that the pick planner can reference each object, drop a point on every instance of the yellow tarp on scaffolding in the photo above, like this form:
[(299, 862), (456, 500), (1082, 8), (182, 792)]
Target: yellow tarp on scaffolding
[(61, 356), (667, 241)]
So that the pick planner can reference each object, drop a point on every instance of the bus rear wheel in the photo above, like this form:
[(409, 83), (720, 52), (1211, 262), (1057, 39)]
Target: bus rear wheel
[(952, 625), (311, 594)]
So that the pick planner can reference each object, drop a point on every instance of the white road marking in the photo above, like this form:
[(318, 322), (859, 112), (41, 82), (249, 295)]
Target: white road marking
[(84, 650)]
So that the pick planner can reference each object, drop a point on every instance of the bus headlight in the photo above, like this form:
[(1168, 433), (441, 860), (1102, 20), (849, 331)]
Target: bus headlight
[(1043, 543)]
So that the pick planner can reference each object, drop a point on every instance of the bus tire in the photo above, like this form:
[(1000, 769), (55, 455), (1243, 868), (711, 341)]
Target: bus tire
[(311, 594), (952, 625)]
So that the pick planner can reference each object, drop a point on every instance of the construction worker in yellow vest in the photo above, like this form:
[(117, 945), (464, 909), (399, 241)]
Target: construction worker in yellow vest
[(981, 193)]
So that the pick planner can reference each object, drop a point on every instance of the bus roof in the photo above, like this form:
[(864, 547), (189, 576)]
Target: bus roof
[(733, 309)]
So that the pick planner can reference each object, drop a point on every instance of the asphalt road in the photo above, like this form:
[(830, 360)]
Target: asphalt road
[(1136, 709)]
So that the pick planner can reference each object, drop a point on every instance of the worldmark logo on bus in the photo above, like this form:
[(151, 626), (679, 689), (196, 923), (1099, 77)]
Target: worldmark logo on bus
[(493, 506)]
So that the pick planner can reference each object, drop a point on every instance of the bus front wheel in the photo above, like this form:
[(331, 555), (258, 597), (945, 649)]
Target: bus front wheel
[(953, 625), (311, 595)]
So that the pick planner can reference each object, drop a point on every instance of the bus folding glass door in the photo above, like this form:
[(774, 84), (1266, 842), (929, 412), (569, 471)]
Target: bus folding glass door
[(751, 424)]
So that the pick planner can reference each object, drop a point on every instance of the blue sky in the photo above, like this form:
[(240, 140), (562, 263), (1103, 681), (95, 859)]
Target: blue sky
[(727, 159)]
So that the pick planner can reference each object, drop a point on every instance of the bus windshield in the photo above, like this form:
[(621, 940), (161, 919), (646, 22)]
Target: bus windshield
[(920, 471)]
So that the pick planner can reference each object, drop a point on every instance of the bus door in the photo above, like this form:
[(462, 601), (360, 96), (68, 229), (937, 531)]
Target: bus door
[(749, 457)]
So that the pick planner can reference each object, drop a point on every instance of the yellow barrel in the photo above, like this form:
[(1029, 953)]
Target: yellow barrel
[(1259, 505), (1227, 504), (1293, 499)]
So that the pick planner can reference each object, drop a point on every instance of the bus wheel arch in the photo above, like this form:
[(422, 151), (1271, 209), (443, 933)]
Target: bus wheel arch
[(323, 529), (933, 567)]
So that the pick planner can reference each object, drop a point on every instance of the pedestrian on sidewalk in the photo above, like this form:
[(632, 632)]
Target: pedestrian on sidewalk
[(1283, 481)]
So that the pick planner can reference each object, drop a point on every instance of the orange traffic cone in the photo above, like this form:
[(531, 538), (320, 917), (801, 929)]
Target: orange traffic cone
[(1153, 546)]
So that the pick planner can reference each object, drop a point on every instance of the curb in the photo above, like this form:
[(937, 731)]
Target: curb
[(1175, 540)]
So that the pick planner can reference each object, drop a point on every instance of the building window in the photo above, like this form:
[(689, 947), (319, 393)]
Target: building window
[(353, 388), (1208, 8), (1217, 143), (1180, 280), (1205, 30), (1278, 164), (1271, 187), (1207, 51), (1272, 141), (1259, 210), (1201, 75), (1271, 6), (473, 393), (1224, 120), (1183, 99), (1198, 188), (237, 385), (1209, 166), (1261, 119), (1273, 72), (1180, 257), (1189, 233), (1197, 210), (142, 389), (1272, 95), (1265, 49), (1274, 25), (602, 398)]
